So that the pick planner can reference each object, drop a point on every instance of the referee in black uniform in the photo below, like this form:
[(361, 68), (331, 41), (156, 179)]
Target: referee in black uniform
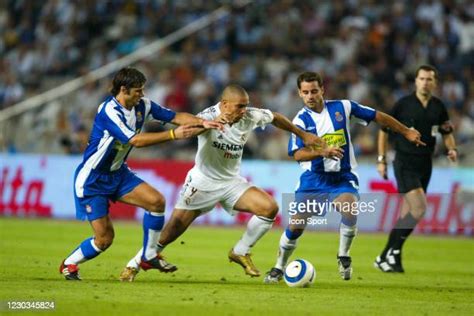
[(413, 165)]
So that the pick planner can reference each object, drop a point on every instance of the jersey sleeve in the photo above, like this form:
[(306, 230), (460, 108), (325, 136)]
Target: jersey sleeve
[(295, 143), (261, 117), (208, 114), (445, 125), (159, 112), (362, 112), (115, 123)]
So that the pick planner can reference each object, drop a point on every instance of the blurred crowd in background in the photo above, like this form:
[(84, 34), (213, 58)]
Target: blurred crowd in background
[(366, 51)]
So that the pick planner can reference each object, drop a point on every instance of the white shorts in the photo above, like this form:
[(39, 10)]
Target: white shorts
[(199, 194)]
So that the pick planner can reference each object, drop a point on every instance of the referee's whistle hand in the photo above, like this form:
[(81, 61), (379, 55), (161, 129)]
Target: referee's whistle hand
[(382, 170)]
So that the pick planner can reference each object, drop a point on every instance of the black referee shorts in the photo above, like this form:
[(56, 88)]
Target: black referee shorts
[(412, 171)]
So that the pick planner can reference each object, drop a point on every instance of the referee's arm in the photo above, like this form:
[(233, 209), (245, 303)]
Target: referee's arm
[(450, 145), (382, 144)]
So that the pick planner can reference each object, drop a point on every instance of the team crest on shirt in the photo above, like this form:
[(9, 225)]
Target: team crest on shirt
[(338, 117), (88, 208)]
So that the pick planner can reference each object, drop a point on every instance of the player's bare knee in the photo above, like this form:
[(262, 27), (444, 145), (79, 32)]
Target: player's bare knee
[(157, 204), (270, 210), (273, 211), (105, 241)]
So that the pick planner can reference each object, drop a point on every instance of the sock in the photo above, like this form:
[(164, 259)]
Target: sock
[(135, 261), (288, 241), (256, 228), (87, 250), (391, 240), (405, 227), (152, 225), (347, 232)]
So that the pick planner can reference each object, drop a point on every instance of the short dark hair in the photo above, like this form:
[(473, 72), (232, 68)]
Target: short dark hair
[(309, 76), (427, 67), (129, 78)]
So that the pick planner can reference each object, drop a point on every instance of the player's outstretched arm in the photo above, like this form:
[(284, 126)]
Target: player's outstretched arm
[(411, 134), (307, 153), (148, 139), (308, 139), (183, 118)]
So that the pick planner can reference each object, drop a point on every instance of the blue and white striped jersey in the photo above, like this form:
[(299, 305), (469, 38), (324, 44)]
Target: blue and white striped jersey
[(333, 125), (113, 127)]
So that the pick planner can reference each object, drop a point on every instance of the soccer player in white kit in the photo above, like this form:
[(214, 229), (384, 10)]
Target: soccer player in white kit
[(215, 177)]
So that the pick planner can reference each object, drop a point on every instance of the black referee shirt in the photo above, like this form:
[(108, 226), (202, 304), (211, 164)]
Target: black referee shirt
[(428, 121)]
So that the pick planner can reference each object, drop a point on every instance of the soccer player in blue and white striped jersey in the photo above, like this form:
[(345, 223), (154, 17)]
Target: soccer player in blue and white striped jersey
[(328, 173), (103, 175)]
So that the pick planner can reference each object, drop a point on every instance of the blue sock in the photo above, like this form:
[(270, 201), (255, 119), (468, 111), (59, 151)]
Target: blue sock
[(90, 251), (152, 225), (292, 235), (87, 250)]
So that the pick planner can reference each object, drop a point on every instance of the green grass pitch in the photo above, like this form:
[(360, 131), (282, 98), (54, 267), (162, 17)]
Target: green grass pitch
[(439, 277)]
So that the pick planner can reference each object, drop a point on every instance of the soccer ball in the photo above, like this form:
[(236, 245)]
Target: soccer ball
[(299, 273)]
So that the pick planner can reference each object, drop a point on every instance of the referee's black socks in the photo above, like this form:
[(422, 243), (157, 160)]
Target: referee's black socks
[(400, 232)]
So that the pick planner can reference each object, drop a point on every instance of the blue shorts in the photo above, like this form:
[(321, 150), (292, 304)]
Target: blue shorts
[(329, 184), (99, 188), (317, 191)]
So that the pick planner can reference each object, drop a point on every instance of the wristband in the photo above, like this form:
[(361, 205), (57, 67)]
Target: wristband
[(172, 135), (381, 159)]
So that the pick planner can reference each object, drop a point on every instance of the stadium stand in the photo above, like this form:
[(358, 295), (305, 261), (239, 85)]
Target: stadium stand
[(366, 52)]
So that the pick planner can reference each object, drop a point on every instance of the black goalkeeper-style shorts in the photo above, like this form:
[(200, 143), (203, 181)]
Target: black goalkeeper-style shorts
[(412, 171)]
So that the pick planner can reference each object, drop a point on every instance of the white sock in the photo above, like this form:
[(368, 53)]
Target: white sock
[(256, 228), (287, 246), (76, 257), (346, 235), (135, 261)]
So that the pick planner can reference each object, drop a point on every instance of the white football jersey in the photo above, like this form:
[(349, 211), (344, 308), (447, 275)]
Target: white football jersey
[(220, 152)]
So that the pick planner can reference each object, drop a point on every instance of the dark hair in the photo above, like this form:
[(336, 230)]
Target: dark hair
[(129, 78), (427, 68), (309, 76)]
